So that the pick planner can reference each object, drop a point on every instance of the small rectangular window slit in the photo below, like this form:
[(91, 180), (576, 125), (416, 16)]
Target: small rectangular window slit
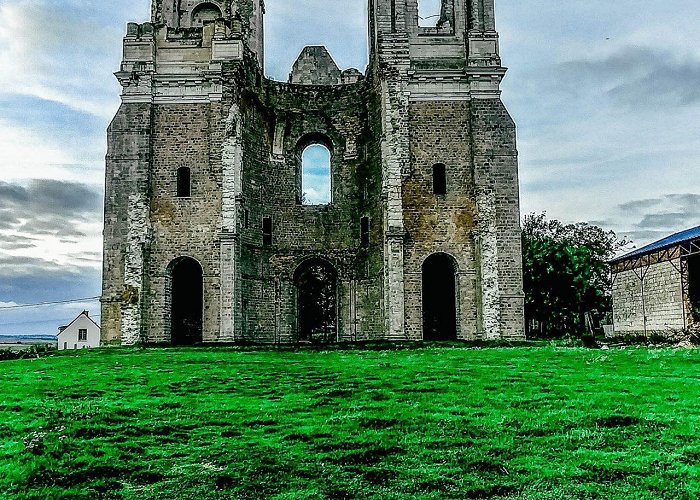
[(267, 231), (439, 179), (184, 182), (364, 232)]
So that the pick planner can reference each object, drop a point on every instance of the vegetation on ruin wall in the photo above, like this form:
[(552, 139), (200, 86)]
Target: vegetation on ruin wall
[(428, 423), (566, 275)]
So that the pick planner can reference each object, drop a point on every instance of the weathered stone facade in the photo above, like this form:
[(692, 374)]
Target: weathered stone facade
[(197, 109)]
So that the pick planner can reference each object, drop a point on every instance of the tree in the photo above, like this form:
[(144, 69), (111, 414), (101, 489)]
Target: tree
[(566, 274)]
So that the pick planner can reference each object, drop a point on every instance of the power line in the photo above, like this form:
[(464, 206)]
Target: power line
[(62, 321), (41, 304)]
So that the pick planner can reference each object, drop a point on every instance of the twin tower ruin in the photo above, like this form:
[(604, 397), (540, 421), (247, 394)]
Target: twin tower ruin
[(338, 206)]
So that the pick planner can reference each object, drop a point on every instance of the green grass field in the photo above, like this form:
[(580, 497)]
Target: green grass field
[(415, 423)]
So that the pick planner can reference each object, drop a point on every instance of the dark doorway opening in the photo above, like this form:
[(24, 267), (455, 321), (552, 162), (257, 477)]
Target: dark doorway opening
[(187, 302), (694, 286), (439, 298), (316, 287)]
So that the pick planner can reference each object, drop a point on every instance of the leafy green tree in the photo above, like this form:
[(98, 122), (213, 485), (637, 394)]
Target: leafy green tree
[(566, 274)]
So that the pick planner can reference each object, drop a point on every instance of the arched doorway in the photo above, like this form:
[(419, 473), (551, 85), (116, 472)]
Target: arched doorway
[(316, 290), (186, 305), (439, 298)]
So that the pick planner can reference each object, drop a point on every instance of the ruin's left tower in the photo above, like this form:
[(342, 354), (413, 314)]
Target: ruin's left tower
[(172, 116), (209, 236)]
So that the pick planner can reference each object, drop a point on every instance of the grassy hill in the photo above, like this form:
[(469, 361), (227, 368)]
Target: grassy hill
[(414, 423)]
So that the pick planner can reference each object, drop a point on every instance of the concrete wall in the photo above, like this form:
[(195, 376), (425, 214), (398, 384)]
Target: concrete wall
[(663, 300)]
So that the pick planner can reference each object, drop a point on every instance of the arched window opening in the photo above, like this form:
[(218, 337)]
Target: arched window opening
[(439, 179), (316, 289), (186, 302), (205, 13), (439, 298), (429, 13), (315, 175), (184, 182)]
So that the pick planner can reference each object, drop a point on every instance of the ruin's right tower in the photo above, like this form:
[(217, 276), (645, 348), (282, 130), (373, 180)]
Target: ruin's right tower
[(449, 162)]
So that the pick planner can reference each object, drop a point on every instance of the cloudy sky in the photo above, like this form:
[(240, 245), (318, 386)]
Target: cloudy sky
[(606, 96)]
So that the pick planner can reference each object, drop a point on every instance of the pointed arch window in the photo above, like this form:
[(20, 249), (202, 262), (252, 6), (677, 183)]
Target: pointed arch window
[(439, 179)]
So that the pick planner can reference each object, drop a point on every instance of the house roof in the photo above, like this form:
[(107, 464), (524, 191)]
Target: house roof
[(84, 313), (669, 241)]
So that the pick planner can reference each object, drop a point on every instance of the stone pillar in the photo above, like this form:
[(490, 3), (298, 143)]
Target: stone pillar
[(394, 285), (228, 309), (232, 166), (134, 262), (487, 251), (396, 160)]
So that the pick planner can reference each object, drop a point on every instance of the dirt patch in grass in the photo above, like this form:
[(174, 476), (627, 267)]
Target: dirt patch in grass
[(370, 456), (615, 421)]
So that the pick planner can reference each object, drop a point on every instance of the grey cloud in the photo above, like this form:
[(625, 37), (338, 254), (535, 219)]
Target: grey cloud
[(667, 220), (636, 77), (12, 266), (46, 196), (12, 194), (52, 226), (45, 208), (64, 196), (639, 205), (682, 205), (16, 242), (659, 217), (689, 200), (643, 236)]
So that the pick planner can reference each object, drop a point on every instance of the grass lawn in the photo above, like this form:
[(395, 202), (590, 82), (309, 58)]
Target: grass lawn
[(416, 423)]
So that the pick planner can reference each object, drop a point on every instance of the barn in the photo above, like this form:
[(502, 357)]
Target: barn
[(656, 288)]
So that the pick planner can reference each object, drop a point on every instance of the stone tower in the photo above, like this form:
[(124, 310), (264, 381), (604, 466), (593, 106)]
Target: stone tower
[(209, 235)]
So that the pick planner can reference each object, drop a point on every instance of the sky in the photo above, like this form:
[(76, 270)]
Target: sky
[(606, 96)]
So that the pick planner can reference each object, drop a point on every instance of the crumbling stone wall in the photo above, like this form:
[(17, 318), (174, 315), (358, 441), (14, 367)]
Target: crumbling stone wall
[(196, 97), (336, 117)]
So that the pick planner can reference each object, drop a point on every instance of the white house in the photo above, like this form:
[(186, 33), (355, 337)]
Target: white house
[(82, 333)]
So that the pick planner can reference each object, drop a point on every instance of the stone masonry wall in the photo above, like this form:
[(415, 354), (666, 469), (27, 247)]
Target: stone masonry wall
[(439, 133), (663, 300), (197, 98), (185, 135), (499, 233), (276, 131)]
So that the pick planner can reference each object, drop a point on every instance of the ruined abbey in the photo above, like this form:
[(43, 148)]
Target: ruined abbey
[(219, 226)]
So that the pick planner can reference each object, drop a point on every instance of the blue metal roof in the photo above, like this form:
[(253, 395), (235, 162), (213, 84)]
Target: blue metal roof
[(669, 241)]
